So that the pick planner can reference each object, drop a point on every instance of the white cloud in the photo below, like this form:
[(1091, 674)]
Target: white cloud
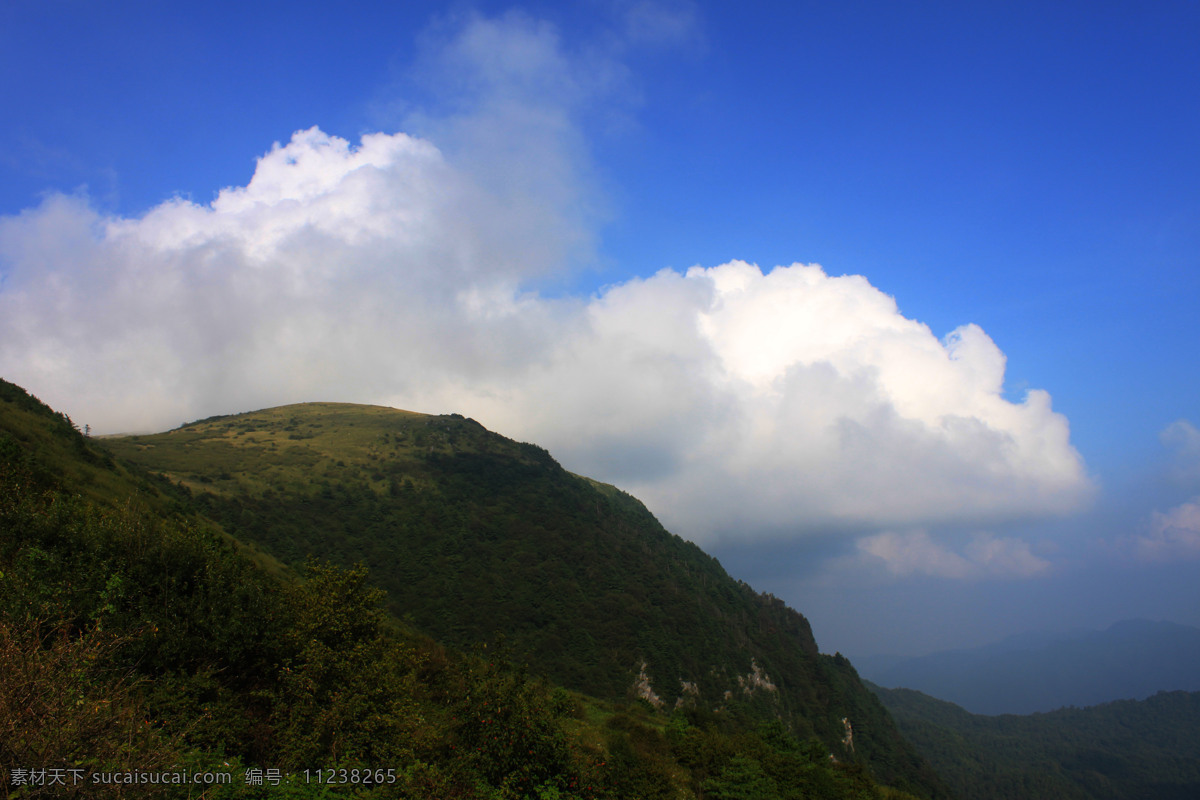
[(656, 22), (1000, 556), (510, 98), (1183, 439), (807, 398), (736, 403), (1172, 536), (984, 556)]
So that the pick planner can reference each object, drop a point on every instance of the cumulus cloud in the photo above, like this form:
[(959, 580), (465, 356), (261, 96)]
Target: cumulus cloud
[(807, 397), (1170, 536), (984, 556), (334, 270), (736, 402)]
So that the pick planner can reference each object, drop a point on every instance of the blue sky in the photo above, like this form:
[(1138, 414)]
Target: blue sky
[(1029, 170)]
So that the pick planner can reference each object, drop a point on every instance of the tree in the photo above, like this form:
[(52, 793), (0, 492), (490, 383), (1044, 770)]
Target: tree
[(348, 686), (742, 779), (64, 707)]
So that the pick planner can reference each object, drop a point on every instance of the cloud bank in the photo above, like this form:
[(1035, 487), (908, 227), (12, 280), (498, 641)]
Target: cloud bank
[(984, 556), (736, 402)]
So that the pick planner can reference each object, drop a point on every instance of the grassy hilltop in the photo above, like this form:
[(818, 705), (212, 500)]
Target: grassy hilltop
[(475, 537)]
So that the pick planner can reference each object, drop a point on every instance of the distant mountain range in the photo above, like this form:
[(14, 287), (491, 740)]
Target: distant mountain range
[(1040, 671), (1126, 750)]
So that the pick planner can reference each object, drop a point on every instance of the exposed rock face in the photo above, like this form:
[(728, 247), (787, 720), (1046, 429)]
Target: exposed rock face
[(756, 679), (643, 689), (689, 691)]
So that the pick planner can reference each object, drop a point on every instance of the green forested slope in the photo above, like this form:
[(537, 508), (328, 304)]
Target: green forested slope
[(135, 635), (1126, 750), (476, 537)]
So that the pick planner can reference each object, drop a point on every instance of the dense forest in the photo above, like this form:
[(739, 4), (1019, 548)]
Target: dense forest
[(1125, 750), (141, 638)]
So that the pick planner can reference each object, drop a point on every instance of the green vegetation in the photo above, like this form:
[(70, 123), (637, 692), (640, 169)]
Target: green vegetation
[(475, 537), (135, 633), (1126, 750)]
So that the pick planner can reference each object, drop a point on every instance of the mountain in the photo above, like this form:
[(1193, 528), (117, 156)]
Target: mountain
[(1125, 750), (139, 620), (476, 537), (1041, 672)]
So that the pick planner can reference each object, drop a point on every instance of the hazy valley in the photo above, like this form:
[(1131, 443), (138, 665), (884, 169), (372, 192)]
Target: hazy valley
[(1033, 672)]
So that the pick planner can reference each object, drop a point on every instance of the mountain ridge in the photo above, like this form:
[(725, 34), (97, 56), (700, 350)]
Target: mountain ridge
[(1041, 671), (1121, 750), (476, 537), (353, 473)]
